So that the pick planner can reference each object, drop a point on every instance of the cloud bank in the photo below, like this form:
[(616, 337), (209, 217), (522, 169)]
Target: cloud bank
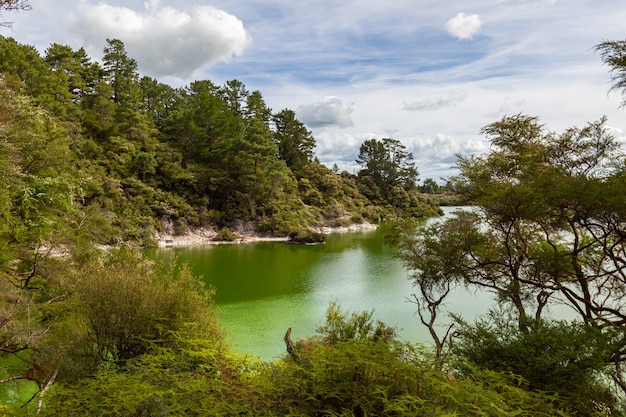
[(164, 40)]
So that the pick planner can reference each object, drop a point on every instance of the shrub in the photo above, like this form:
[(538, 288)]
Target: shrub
[(356, 367), (306, 236), (225, 235), (567, 358)]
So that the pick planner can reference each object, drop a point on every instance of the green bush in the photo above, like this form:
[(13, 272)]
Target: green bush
[(566, 358), (306, 236), (121, 305), (225, 235)]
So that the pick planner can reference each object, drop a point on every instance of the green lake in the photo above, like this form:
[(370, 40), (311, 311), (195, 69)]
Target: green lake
[(264, 288)]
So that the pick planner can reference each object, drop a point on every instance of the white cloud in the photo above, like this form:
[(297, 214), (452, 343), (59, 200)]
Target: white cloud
[(330, 111), (445, 147), (435, 103), (165, 41), (464, 26), (339, 148), (435, 156)]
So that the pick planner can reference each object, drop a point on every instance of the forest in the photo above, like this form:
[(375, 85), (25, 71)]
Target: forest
[(96, 156), (139, 154)]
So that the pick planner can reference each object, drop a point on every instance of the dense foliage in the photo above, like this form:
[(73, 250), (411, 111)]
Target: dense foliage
[(557, 356), (339, 372), (96, 154)]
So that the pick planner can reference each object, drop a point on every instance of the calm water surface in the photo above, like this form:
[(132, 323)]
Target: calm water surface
[(262, 289)]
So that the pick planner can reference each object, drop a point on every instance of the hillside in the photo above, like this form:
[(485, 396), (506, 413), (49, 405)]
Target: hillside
[(130, 154)]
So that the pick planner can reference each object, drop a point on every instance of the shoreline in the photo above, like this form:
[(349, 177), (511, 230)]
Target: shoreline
[(206, 236)]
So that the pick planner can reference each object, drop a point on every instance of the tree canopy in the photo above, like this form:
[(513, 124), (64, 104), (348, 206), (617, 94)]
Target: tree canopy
[(192, 156), (388, 163), (388, 175)]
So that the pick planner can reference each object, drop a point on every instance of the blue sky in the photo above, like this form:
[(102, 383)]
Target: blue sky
[(429, 73)]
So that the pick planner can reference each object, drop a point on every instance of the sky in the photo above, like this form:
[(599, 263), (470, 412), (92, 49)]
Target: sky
[(429, 73)]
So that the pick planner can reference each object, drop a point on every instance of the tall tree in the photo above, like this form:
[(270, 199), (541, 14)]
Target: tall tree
[(158, 99), (257, 151), (235, 95), (295, 142), (387, 163), (256, 108), (201, 127), (81, 73), (121, 72), (23, 66)]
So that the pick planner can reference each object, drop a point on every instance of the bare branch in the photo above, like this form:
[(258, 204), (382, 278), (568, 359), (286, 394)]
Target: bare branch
[(12, 6), (13, 378)]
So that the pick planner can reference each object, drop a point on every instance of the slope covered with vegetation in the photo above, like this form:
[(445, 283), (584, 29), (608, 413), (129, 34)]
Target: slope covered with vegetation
[(139, 154)]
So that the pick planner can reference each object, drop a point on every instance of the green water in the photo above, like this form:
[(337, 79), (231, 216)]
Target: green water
[(262, 289)]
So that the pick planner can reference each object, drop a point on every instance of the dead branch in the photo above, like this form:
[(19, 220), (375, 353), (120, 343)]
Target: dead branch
[(45, 388), (289, 343)]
